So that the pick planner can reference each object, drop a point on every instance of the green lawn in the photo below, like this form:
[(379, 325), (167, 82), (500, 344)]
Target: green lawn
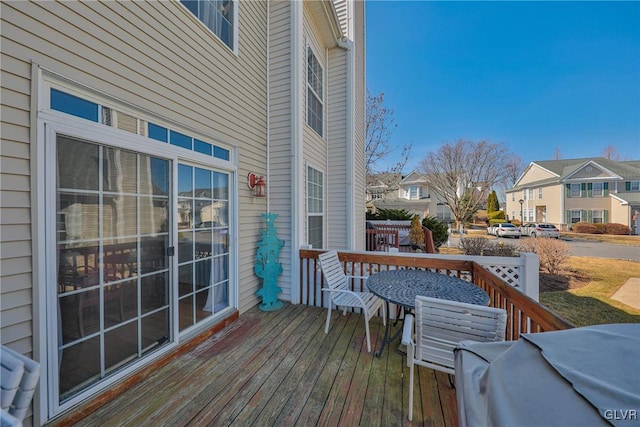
[(590, 284)]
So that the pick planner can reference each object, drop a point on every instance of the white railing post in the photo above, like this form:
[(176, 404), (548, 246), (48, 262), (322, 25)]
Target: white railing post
[(530, 277)]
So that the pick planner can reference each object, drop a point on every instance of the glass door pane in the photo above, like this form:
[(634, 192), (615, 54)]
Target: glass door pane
[(113, 216), (203, 247)]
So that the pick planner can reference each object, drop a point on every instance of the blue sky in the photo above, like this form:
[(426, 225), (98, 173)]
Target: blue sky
[(534, 76)]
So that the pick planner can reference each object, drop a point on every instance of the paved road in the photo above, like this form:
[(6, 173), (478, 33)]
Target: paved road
[(587, 248), (603, 250)]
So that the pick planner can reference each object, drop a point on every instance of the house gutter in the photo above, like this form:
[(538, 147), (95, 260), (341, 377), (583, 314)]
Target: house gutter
[(297, 215)]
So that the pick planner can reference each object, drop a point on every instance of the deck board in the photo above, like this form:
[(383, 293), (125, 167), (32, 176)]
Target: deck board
[(280, 368)]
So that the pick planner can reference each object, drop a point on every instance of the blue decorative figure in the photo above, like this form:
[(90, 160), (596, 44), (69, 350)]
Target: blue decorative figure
[(267, 266)]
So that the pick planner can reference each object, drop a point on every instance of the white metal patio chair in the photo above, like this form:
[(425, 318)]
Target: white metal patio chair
[(439, 326), (337, 285), (19, 377)]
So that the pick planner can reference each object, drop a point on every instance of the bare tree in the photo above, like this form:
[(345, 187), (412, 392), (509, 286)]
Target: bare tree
[(514, 168), (461, 174), (610, 152), (379, 127)]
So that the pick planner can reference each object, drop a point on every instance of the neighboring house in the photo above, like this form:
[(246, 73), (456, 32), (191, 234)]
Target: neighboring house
[(411, 193), (563, 192), (128, 131)]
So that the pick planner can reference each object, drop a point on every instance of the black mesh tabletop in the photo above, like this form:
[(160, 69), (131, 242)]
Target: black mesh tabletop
[(401, 287)]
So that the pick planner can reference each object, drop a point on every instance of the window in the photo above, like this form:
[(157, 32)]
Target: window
[(413, 192), (575, 190), (531, 215), (575, 216), (597, 189), (315, 202), (513, 197), (531, 196), (217, 15), (314, 92), (597, 216), (634, 186), (443, 212), (524, 194), (540, 193)]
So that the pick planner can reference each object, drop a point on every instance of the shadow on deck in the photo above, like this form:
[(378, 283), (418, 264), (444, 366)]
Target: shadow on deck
[(279, 368)]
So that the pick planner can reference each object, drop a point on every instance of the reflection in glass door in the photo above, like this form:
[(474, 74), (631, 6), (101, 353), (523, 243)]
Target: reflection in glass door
[(203, 245), (113, 272)]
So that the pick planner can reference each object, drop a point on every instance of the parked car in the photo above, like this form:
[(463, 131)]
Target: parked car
[(505, 229), (540, 230)]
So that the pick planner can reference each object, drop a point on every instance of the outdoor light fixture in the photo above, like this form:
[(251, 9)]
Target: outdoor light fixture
[(521, 202), (257, 184)]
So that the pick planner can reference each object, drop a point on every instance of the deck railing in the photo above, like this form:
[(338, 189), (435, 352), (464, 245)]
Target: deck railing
[(525, 315)]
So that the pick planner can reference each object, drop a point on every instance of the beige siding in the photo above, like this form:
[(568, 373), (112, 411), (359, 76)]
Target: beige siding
[(152, 55), (535, 173), (619, 213), (338, 151), (15, 213), (359, 123), (280, 190)]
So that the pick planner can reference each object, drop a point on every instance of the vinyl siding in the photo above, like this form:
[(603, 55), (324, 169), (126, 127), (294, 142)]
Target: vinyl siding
[(15, 214), (154, 56), (535, 173), (338, 143), (280, 191), (619, 213), (359, 137)]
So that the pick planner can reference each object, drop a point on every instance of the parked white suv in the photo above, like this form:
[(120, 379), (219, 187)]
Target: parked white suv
[(540, 230)]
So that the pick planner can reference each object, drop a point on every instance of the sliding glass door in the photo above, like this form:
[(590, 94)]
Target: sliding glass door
[(113, 228)]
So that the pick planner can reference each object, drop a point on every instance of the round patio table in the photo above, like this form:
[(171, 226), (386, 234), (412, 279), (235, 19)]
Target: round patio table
[(401, 287)]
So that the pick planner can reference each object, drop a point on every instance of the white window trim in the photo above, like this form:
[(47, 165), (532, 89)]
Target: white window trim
[(600, 192), (572, 191), (234, 48), (320, 97), (593, 216), (324, 203), (49, 124)]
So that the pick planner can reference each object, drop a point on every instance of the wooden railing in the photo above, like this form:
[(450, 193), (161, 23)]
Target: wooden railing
[(384, 236), (525, 315)]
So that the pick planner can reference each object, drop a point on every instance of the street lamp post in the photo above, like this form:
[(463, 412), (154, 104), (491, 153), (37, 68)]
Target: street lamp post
[(521, 202)]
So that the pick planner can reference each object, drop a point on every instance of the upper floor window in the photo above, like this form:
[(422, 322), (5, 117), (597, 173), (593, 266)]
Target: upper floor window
[(575, 190), (217, 15), (524, 194), (513, 197), (413, 192), (315, 87), (634, 186), (540, 193), (597, 189), (531, 196)]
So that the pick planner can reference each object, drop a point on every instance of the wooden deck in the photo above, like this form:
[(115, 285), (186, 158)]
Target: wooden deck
[(281, 369)]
